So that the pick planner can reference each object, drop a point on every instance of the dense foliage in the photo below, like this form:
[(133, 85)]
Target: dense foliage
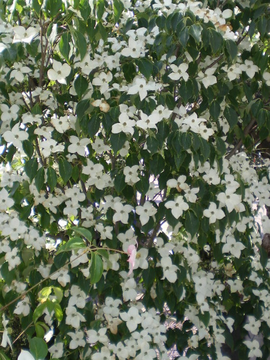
[(133, 170)]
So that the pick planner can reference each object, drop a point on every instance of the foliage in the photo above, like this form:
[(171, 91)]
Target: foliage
[(128, 186)]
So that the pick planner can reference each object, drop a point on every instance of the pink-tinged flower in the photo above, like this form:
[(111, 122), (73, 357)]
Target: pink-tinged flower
[(132, 256)]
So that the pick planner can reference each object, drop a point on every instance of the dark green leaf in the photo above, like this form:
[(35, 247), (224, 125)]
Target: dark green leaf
[(93, 125), (53, 7), (119, 183), (65, 170), (118, 8), (83, 108), (30, 168), (100, 8), (80, 42), (83, 232), (157, 164), (38, 348), (145, 67), (215, 109), (191, 223), (205, 317), (262, 117), (221, 146), (96, 268), (152, 144), (232, 49), (28, 148), (148, 277), (51, 178), (216, 40), (186, 90), (36, 6), (64, 46), (231, 116), (205, 148), (183, 37), (196, 31), (75, 243), (185, 140), (39, 179), (117, 141), (81, 85)]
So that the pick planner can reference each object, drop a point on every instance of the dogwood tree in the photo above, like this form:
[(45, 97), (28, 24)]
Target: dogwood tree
[(133, 168)]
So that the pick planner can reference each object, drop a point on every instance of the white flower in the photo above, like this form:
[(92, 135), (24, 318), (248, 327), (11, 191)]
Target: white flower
[(135, 49), (207, 78), (78, 145), (253, 325), (254, 348), (77, 339), (5, 201), (179, 72), (213, 213), (266, 77), (122, 212), (59, 72), (169, 270), (23, 307), (249, 68), (94, 336), (24, 35), (57, 350), (125, 125), (25, 355), (145, 212), (232, 246), (177, 207), (230, 200), (16, 136), (132, 318), (12, 258), (105, 354), (9, 113), (102, 80)]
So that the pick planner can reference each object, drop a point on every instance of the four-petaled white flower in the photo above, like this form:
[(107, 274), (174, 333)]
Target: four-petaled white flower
[(178, 206), (125, 125), (213, 213), (102, 80), (145, 211), (179, 72), (59, 72), (135, 49), (132, 318), (122, 212), (232, 246), (169, 270), (131, 174), (254, 348), (78, 145)]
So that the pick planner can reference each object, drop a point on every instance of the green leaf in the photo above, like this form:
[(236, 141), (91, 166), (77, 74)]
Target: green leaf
[(65, 170), (117, 141), (58, 293), (263, 256), (183, 37), (129, 70), (93, 125), (38, 348), (28, 148), (191, 223), (53, 7), (3, 356), (205, 148), (185, 140), (79, 41), (51, 178), (44, 293), (39, 179), (145, 67), (215, 109), (58, 311), (74, 243), (216, 40), (262, 117), (196, 32), (221, 146), (36, 4), (83, 232), (100, 8), (157, 164), (186, 90), (81, 85), (205, 318), (83, 108), (231, 116), (30, 168), (118, 8), (119, 183), (232, 49), (96, 268), (8, 275)]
